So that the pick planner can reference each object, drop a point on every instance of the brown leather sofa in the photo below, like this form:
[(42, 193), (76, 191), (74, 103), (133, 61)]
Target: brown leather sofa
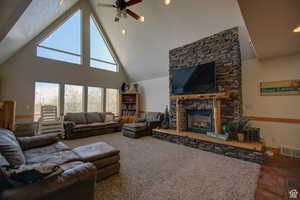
[(76, 182), (78, 125)]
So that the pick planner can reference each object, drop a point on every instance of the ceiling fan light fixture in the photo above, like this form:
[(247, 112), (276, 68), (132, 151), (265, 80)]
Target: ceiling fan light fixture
[(167, 2), (124, 32), (142, 19), (297, 30)]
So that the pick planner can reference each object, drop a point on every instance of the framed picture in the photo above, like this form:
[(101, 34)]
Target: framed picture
[(280, 88)]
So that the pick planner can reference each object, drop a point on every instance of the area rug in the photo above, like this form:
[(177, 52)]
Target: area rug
[(153, 169)]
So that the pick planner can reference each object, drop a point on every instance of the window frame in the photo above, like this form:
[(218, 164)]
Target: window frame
[(100, 30), (38, 44), (118, 100), (102, 98), (59, 98), (83, 97)]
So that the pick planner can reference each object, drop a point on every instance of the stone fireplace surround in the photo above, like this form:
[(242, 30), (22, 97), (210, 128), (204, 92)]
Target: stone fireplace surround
[(224, 49)]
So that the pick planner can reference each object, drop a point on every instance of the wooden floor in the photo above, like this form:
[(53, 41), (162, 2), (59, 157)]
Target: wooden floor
[(257, 146), (278, 176)]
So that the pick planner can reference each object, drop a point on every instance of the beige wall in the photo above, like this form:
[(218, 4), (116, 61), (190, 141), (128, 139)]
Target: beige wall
[(20, 72), (155, 94), (281, 68), (253, 72)]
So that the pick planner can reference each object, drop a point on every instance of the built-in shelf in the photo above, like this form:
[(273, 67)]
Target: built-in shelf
[(256, 146)]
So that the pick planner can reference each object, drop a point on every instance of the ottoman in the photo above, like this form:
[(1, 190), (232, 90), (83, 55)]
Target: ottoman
[(135, 130), (105, 157)]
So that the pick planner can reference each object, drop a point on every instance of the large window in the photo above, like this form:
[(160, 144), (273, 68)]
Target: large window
[(100, 56), (112, 100), (73, 98), (45, 94), (64, 44), (94, 99)]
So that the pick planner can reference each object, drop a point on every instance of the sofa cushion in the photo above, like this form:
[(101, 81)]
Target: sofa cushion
[(78, 118), (109, 117), (10, 148), (56, 147), (81, 127), (93, 117), (58, 158), (95, 151)]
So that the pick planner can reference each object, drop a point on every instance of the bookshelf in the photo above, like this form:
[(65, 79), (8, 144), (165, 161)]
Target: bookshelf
[(129, 106)]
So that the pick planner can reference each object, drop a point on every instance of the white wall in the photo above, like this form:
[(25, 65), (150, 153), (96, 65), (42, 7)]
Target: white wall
[(155, 94), (282, 68)]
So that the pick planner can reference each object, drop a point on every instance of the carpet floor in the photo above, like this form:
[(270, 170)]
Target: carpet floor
[(152, 169)]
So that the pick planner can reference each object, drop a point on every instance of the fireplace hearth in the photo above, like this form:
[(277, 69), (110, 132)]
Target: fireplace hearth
[(200, 121)]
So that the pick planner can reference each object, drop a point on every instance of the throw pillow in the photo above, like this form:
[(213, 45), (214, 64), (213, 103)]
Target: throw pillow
[(27, 174), (109, 117), (10, 148), (93, 117), (78, 118)]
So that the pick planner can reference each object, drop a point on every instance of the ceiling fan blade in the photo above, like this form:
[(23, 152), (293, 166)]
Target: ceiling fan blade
[(133, 14), (133, 2), (106, 5)]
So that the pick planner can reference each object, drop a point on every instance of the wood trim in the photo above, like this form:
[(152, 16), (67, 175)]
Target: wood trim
[(221, 95), (29, 116), (273, 119), (24, 116)]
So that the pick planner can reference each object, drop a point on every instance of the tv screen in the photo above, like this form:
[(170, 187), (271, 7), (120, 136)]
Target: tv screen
[(194, 80)]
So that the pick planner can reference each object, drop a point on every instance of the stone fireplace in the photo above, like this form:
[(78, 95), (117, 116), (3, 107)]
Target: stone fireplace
[(200, 121), (224, 50), (199, 113)]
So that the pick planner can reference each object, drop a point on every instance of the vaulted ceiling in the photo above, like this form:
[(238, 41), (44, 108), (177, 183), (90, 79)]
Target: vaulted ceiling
[(271, 24), (143, 51), (38, 15)]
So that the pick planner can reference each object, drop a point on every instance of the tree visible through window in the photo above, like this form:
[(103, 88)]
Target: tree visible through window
[(100, 56), (94, 99), (45, 94), (73, 98), (112, 100), (64, 44)]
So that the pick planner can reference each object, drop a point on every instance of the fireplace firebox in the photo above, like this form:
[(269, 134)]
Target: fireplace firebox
[(200, 121)]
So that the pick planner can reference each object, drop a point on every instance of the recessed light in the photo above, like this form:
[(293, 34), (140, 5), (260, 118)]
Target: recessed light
[(142, 18), (167, 2), (297, 30), (123, 32)]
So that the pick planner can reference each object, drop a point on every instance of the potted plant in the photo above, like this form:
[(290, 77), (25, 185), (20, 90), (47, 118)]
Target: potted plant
[(240, 127)]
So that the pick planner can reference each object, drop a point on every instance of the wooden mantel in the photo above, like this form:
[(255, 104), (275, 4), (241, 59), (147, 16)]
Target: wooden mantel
[(221, 95), (217, 107)]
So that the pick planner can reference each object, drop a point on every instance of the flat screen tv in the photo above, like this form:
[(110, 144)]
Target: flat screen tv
[(194, 80)]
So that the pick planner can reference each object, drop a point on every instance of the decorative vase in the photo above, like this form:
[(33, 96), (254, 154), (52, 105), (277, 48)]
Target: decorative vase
[(241, 137)]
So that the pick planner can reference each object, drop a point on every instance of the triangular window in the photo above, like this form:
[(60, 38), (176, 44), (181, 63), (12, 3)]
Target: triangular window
[(64, 44), (100, 55)]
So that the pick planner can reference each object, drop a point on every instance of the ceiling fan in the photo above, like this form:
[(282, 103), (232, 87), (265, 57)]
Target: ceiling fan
[(122, 9)]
